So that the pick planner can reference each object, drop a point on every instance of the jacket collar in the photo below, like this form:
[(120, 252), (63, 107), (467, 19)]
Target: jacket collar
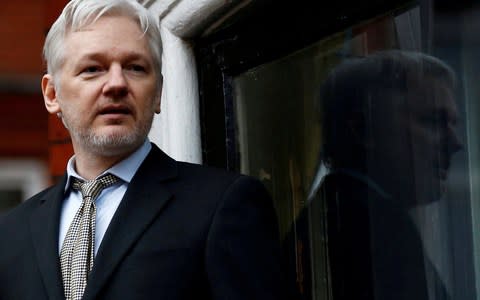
[(143, 201)]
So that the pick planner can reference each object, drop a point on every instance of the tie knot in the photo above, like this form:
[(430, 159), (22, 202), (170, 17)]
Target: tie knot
[(92, 188)]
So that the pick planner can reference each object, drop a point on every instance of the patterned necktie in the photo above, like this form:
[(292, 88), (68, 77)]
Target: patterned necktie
[(78, 249)]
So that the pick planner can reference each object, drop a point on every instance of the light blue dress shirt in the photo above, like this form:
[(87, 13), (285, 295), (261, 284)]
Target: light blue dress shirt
[(108, 200)]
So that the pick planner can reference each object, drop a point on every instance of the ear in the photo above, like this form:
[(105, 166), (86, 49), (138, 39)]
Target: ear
[(50, 94), (359, 133), (158, 97), (157, 104)]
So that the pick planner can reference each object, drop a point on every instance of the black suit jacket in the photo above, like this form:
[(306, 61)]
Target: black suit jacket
[(374, 249), (182, 231)]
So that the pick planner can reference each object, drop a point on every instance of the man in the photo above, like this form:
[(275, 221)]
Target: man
[(388, 139), (126, 221)]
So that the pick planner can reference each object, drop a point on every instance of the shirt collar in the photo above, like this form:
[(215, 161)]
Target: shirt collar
[(124, 169)]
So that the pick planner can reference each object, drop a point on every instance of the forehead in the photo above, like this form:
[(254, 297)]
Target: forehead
[(109, 35), (422, 95), (432, 94)]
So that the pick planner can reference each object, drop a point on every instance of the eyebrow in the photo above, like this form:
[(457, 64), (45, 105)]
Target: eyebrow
[(129, 56)]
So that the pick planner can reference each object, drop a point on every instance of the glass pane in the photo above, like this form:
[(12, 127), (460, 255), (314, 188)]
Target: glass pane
[(369, 153)]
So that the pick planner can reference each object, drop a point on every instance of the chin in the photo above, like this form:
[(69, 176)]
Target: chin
[(114, 150), (115, 144), (112, 140), (433, 194)]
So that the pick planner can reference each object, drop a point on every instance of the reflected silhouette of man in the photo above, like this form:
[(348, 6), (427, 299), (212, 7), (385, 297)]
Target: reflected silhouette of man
[(388, 139)]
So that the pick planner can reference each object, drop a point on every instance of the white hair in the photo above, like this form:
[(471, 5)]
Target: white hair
[(78, 14)]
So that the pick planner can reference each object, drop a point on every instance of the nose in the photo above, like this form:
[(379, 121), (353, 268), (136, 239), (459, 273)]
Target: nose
[(116, 85)]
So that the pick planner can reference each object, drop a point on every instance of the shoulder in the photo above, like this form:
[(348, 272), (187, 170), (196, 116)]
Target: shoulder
[(219, 176), (186, 169), (162, 166), (226, 182), (199, 181)]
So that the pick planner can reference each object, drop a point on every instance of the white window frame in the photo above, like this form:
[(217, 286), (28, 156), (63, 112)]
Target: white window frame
[(177, 129)]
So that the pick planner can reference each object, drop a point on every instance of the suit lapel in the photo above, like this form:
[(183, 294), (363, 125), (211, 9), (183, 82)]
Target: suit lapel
[(44, 224), (143, 201)]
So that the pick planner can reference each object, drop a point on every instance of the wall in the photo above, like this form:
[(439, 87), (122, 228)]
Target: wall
[(27, 131)]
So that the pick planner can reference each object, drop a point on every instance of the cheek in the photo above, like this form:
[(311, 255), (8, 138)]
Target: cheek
[(80, 103), (150, 103), (76, 115), (426, 139), (393, 139), (75, 89)]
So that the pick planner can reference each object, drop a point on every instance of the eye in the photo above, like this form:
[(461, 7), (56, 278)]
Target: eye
[(137, 68), (438, 120), (91, 69)]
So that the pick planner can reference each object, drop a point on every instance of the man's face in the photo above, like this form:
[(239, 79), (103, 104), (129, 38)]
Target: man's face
[(414, 142), (106, 89)]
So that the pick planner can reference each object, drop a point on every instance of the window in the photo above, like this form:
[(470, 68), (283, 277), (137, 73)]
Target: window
[(363, 129), (19, 180)]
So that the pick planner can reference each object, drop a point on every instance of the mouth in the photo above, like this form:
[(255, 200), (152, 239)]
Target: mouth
[(443, 174), (115, 110), (443, 169)]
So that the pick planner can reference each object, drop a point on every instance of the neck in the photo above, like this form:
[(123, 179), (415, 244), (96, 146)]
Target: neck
[(90, 165)]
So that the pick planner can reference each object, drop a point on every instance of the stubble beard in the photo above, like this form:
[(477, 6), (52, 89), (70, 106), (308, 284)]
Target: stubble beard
[(110, 144)]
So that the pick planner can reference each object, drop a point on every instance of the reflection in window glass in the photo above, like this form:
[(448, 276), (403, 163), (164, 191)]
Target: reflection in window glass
[(363, 150)]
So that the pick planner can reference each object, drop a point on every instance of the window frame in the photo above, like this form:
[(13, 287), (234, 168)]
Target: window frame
[(249, 40)]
